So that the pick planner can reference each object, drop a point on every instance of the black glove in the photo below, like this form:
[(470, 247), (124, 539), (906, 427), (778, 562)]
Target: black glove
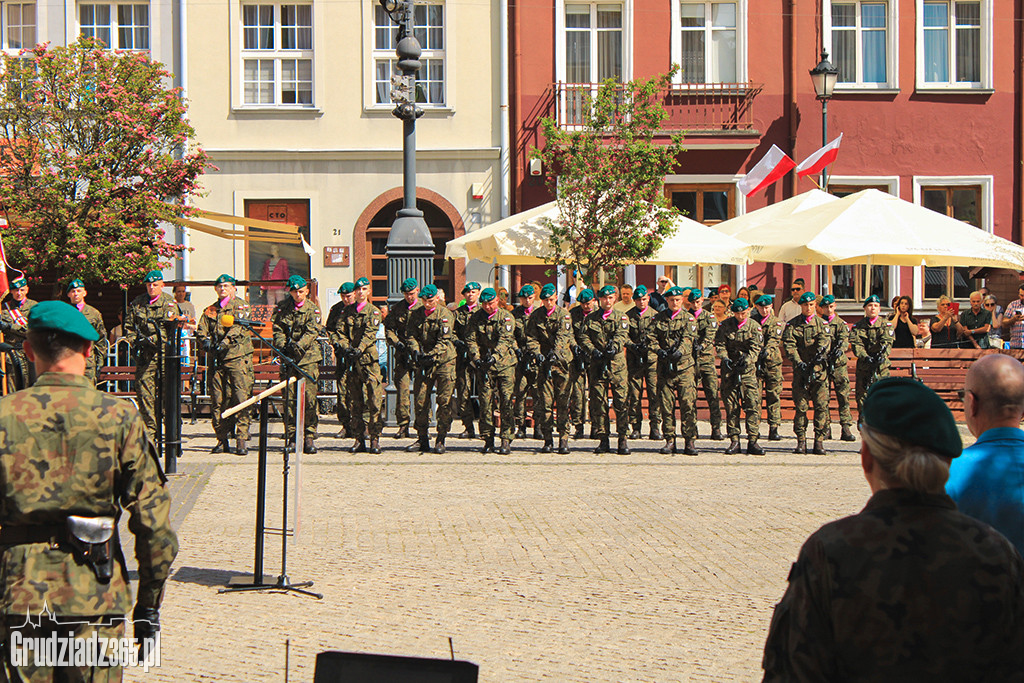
[(146, 344), (476, 364), (146, 622), (726, 365), (292, 350), (676, 356), (220, 348), (552, 358), (662, 354), (610, 350), (206, 344), (425, 360), (803, 367), (598, 354), (5, 326)]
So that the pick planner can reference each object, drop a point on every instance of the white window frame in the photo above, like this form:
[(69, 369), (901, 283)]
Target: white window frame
[(114, 26), (986, 83), (676, 41), (5, 28), (627, 36), (277, 55), (892, 57)]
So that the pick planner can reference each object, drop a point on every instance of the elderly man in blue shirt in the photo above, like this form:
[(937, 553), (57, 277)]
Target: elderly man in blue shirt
[(987, 481)]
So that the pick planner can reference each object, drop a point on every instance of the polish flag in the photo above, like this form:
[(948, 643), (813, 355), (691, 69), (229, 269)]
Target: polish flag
[(774, 166), (820, 159)]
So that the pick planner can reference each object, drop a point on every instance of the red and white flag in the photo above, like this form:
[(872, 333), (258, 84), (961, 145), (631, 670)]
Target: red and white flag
[(820, 159), (773, 166)]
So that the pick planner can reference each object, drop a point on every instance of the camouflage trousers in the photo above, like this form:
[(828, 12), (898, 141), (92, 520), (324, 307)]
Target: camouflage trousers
[(840, 380), (641, 376), (707, 378), (364, 385), (814, 391), (85, 628), (20, 373), (145, 390), (441, 380), (680, 387), (230, 385), (552, 398), (578, 397), (770, 386), (402, 379), (743, 390), (526, 387), (462, 397), (92, 368), (600, 383), (866, 376), (288, 396), (342, 405), (495, 388)]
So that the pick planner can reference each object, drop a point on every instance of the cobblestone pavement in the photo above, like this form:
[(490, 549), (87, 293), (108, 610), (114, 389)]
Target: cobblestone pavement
[(538, 567)]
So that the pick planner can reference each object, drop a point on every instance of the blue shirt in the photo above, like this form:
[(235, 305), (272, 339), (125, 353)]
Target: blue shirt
[(987, 482)]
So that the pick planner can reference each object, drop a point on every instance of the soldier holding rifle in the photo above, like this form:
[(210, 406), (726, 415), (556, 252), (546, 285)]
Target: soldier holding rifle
[(704, 353), (13, 320), (603, 336), (492, 355), (76, 295), (431, 346), (462, 405), (333, 328), (642, 365), (738, 343), (836, 367), (526, 371), (356, 349), (769, 363), (671, 335), (549, 338), (871, 339), (578, 373), (395, 329), (806, 342), (296, 329)]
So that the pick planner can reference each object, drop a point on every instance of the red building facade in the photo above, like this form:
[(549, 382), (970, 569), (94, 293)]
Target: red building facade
[(928, 99)]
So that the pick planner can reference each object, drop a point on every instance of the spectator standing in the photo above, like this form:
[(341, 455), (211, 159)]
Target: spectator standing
[(945, 326), (725, 295), (995, 338), (181, 297), (719, 310), (976, 322), (791, 308), (658, 297), (625, 301), (1013, 319), (905, 325)]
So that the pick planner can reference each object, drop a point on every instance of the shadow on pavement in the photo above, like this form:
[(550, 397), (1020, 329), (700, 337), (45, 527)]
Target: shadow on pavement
[(205, 577)]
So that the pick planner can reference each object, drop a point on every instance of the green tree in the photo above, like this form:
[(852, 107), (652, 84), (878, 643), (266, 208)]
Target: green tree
[(608, 174), (93, 146)]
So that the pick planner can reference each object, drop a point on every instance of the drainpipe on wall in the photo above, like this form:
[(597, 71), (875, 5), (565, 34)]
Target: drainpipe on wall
[(183, 84), (787, 270), (504, 154), (1017, 230)]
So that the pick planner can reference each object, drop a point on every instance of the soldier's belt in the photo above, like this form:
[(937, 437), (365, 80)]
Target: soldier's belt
[(34, 533)]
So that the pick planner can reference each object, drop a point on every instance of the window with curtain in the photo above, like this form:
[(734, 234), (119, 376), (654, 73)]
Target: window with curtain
[(962, 202), (860, 41), (593, 42), (708, 204), (277, 54), (428, 27), (19, 27), (952, 42), (120, 26), (708, 41)]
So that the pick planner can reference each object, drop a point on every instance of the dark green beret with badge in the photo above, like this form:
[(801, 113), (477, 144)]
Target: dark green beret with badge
[(428, 291), (674, 291), (806, 298), (18, 283), (585, 296), (61, 317), (873, 299), (488, 295), (763, 300), (362, 282), (828, 300), (739, 304), (151, 276), (225, 278), (640, 292), (526, 291), (607, 290), (695, 294), (75, 284), (547, 290), (296, 282), (905, 408), (471, 287), (409, 284), (346, 288)]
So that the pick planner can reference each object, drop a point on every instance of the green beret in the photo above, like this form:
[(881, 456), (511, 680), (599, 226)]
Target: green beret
[(409, 284), (362, 282), (296, 282), (63, 317), (471, 287), (526, 290), (763, 300), (906, 409), (674, 291), (428, 291), (806, 297), (739, 304), (827, 300), (695, 294), (153, 276), (607, 290), (640, 292), (585, 296), (75, 284), (225, 278), (547, 290), (346, 288), (873, 299), (488, 295)]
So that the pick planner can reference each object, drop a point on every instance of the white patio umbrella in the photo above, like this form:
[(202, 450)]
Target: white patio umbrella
[(740, 225)]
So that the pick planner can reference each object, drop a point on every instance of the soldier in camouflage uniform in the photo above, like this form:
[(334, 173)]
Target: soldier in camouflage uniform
[(431, 341), (642, 365), (395, 329), (806, 342), (296, 323), (871, 339), (76, 295), (356, 346), (526, 370), (13, 317), (462, 402), (769, 363), (146, 331), (909, 589), (229, 356), (738, 343), (704, 352), (670, 337), (578, 374), (603, 337), (492, 354), (837, 372), (549, 337), (67, 449), (347, 291)]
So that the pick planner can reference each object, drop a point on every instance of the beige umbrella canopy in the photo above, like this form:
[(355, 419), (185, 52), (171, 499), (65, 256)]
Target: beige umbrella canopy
[(877, 228), (523, 239), (750, 222)]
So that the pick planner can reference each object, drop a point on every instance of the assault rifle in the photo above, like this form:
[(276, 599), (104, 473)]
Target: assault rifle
[(579, 359)]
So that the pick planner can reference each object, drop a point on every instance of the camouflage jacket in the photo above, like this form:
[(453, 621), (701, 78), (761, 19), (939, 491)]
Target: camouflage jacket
[(873, 340), (17, 316), (494, 336), (807, 342), (99, 348), (299, 327), (68, 449), (521, 315), (773, 329), (358, 330), (433, 333), (236, 338), (639, 326), (677, 333), (704, 345), (397, 320), (550, 332), (144, 324), (601, 333), (907, 590), (839, 341), (462, 315), (740, 345)]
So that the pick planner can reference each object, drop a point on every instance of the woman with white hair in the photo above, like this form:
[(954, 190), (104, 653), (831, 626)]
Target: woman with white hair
[(909, 589)]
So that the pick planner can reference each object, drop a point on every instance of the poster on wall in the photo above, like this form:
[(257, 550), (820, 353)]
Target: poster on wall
[(272, 260)]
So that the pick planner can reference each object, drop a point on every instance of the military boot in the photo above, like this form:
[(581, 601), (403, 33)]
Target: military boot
[(580, 431), (439, 445), (403, 433), (536, 433), (690, 448), (375, 445), (521, 432), (635, 433), (801, 446), (506, 447), (670, 446), (656, 433), (753, 448), (563, 444), (847, 434), (220, 447), (241, 447), (469, 432), (819, 447), (358, 447), (773, 433), (623, 448), (603, 446), (549, 445), (734, 446), (716, 433), (420, 445), (488, 445), (308, 445)]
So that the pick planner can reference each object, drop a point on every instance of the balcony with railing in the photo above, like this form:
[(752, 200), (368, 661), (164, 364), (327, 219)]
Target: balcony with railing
[(703, 109)]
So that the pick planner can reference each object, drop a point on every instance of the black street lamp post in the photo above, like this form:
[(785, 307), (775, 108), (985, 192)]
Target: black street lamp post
[(824, 77)]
